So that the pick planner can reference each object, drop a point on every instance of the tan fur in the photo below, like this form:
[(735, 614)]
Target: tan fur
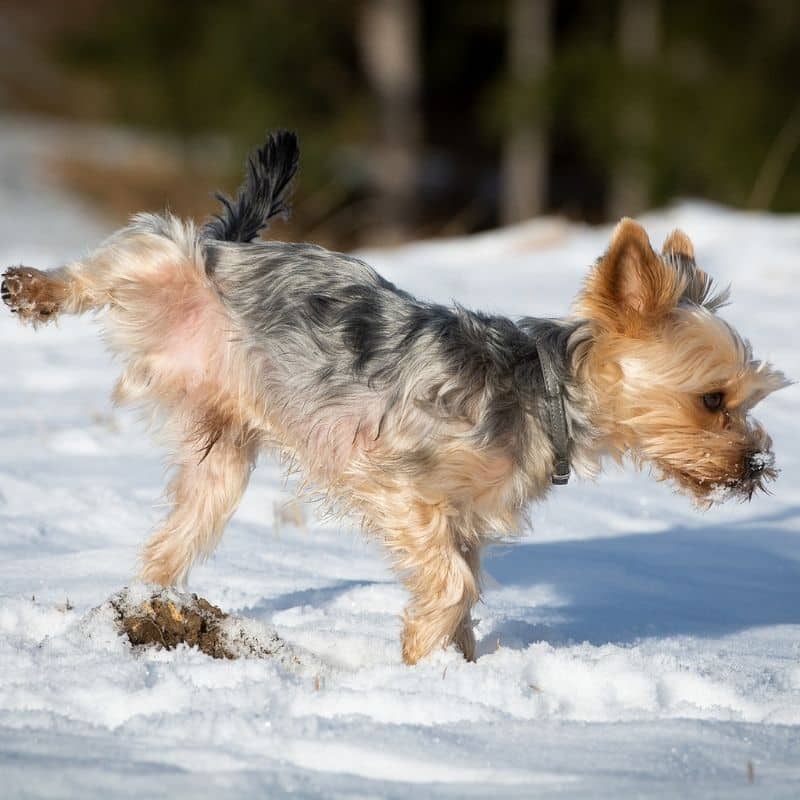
[(652, 360), (678, 242), (656, 348), (204, 492)]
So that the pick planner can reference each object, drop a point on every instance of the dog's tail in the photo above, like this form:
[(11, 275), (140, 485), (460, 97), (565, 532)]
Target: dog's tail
[(264, 193)]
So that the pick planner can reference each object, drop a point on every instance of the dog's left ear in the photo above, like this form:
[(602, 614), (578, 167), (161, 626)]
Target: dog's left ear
[(631, 283)]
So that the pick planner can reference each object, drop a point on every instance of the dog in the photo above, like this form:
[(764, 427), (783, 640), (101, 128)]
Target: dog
[(434, 426)]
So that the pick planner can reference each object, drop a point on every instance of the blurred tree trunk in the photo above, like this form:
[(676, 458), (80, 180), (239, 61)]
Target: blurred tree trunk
[(525, 152), (639, 28), (389, 40)]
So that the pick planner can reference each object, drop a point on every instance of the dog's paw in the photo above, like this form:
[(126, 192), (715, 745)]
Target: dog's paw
[(30, 293)]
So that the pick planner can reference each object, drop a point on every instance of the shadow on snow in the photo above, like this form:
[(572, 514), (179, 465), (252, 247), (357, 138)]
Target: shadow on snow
[(709, 581)]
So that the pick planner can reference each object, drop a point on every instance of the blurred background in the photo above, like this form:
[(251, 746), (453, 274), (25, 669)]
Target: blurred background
[(417, 118)]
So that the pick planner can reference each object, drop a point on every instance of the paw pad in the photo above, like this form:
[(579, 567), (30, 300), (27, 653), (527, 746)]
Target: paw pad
[(30, 293)]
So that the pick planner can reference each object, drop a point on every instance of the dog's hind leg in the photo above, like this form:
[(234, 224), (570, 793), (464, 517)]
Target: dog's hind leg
[(35, 295), (164, 317), (205, 491), (147, 247)]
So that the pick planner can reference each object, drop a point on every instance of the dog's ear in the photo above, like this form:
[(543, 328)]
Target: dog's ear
[(678, 251), (678, 243), (630, 284)]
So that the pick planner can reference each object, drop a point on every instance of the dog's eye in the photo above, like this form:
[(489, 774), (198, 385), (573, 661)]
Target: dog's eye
[(713, 401)]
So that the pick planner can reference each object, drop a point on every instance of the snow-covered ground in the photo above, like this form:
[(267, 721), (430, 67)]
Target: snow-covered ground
[(629, 645)]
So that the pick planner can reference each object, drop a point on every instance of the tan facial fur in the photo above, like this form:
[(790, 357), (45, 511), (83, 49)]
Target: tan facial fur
[(659, 349)]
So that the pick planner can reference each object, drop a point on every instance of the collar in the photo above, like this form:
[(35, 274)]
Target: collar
[(559, 433)]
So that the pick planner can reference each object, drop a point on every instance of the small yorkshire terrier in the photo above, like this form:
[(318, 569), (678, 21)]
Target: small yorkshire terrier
[(435, 426)]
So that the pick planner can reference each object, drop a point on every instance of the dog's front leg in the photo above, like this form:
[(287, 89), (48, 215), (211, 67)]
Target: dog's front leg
[(464, 636), (441, 573)]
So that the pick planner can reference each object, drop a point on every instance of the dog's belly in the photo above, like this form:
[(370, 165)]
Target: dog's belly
[(380, 459)]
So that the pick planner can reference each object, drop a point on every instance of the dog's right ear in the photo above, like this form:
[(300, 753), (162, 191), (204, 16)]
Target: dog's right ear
[(678, 251), (630, 285), (679, 244)]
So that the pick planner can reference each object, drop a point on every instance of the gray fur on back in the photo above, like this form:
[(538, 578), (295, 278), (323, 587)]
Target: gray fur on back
[(342, 332)]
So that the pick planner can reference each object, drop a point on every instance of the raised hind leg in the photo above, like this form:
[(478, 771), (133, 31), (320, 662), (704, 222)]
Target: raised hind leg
[(135, 254), (205, 491), (165, 319)]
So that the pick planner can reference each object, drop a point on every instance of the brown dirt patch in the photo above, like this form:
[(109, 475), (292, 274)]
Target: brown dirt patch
[(166, 619)]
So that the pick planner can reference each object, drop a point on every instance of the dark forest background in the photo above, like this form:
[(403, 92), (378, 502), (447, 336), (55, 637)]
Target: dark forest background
[(418, 117)]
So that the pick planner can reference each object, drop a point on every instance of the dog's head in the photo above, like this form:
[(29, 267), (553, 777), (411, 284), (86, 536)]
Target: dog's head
[(674, 382)]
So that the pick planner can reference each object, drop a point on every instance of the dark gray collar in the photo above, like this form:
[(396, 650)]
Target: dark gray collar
[(559, 433)]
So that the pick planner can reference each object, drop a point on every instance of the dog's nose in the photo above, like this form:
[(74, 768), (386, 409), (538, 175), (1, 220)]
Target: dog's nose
[(756, 463)]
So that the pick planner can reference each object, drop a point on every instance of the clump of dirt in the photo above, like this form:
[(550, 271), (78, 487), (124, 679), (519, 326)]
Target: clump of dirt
[(166, 619)]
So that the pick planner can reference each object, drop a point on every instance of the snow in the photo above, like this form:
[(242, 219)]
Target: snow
[(629, 645)]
